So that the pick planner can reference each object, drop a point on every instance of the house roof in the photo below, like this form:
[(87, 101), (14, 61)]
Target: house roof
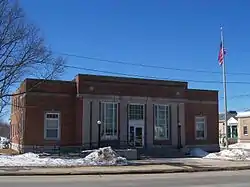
[(243, 114), (229, 115)]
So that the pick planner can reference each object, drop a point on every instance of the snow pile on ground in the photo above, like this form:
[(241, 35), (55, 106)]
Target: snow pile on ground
[(3, 142), (105, 155), (240, 146), (102, 156), (197, 152), (233, 154)]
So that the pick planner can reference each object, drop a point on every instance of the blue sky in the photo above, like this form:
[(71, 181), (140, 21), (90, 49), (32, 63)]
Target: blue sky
[(177, 34)]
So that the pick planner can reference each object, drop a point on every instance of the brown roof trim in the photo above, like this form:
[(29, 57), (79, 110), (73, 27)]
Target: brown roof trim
[(202, 90), (49, 80), (130, 80)]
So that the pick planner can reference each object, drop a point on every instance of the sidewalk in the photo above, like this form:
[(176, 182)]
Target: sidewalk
[(169, 166)]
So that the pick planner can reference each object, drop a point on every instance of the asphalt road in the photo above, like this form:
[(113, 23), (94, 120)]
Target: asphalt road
[(204, 179)]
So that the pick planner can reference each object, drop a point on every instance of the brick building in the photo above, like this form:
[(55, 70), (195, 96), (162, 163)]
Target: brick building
[(136, 112)]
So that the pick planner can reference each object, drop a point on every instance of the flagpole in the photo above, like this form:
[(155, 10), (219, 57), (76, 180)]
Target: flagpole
[(224, 85)]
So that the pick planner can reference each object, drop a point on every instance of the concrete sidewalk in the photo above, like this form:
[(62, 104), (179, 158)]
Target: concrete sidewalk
[(173, 166)]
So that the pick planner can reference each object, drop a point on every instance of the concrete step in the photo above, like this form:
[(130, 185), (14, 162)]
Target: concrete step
[(161, 153)]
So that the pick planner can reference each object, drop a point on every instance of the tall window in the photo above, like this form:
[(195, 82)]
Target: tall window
[(245, 130), (161, 122), (232, 131), (136, 112), (109, 118), (52, 126), (200, 127)]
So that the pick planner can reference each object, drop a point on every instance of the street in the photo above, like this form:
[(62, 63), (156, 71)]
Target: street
[(203, 179)]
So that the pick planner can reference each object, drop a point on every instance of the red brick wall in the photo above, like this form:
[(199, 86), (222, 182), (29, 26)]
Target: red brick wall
[(34, 126), (211, 113), (15, 134), (17, 114), (61, 96), (202, 95), (50, 86), (129, 87)]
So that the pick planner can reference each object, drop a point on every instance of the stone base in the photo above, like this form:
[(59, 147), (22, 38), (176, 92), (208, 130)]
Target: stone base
[(208, 148), (129, 154)]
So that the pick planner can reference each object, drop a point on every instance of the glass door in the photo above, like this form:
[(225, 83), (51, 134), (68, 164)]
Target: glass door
[(136, 136)]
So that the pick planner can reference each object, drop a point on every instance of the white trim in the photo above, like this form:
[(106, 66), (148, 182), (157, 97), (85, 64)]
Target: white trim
[(232, 120), (114, 136), (167, 119), (140, 123), (143, 133), (59, 125), (143, 99), (136, 104), (231, 130), (205, 127), (232, 124)]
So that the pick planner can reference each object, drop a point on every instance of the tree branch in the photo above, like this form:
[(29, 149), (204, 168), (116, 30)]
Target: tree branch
[(22, 52)]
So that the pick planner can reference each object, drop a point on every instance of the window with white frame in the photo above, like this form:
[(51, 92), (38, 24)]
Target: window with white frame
[(245, 130), (161, 122), (109, 119), (232, 131), (136, 112), (52, 126), (200, 127)]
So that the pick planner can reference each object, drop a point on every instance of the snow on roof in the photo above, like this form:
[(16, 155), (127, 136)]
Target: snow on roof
[(243, 114), (230, 114)]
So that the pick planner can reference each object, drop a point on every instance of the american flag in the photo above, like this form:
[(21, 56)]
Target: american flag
[(222, 53)]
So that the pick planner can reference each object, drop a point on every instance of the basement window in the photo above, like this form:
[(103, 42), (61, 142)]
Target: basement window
[(52, 126)]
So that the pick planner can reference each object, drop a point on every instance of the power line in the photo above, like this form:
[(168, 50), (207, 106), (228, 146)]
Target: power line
[(148, 66), (237, 96), (239, 110), (153, 77)]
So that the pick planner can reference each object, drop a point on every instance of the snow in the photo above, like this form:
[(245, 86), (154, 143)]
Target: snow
[(3, 142), (243, 114), (232, 154), (102, 156), (105, 155), (3, 139), (240, 146)]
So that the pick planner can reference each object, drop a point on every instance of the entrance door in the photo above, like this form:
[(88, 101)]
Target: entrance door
[(136, 135), (136, 124)]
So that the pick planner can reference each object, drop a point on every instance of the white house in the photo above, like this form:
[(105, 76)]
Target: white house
[(232, 127)]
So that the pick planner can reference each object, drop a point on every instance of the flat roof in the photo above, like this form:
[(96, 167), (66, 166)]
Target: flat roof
[(105, 78), (243, 114)]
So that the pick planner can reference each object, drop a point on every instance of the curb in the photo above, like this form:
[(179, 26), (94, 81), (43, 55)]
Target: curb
[(146, 171)]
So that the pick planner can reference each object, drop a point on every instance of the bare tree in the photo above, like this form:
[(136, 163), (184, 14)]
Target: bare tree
[(22, 51)]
